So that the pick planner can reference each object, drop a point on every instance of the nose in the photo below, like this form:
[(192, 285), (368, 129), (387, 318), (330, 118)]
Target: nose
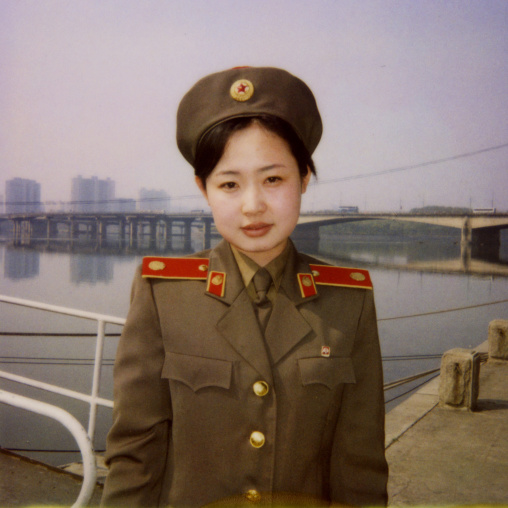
[(253, 201)]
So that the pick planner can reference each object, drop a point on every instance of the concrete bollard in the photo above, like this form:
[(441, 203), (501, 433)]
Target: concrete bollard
[(498, 339), (459, 380)]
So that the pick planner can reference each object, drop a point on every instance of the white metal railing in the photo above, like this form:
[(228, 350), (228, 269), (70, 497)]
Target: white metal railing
[(93, 399), (75, 428), (83, 438)]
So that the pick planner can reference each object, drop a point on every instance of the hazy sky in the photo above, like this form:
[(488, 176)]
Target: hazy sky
[(91, 88)]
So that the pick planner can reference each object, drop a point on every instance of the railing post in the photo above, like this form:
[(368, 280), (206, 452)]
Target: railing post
[(96, 380)]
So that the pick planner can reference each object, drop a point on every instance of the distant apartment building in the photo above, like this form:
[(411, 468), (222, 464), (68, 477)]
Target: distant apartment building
[(153, 201), (22, 196), (92, 195)]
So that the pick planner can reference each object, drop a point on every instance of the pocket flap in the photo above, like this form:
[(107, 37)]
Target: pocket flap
[(197, 372), (326, 371)]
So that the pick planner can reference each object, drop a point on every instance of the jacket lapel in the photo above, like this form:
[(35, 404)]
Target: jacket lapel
[(238, 323), (287, 327)]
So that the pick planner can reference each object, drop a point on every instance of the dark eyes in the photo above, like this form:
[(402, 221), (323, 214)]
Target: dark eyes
[(234, 185), (228, 185)]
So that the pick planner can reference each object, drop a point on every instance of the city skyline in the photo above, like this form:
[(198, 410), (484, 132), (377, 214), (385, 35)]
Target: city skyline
[(22, 195), (147, 200), (412, 94)]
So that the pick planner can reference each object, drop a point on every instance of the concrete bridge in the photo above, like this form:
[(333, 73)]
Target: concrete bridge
[(129, 226), (476, 229)]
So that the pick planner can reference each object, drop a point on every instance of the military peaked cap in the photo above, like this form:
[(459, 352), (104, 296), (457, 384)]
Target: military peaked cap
[(243, 92)]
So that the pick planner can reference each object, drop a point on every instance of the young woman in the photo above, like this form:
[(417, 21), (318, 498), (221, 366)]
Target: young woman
[(228, 387)]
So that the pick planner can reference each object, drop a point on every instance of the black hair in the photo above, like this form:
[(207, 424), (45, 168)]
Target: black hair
[(213, 143)]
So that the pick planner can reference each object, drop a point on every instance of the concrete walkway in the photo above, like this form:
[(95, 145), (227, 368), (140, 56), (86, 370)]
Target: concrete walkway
[(437, 456), (440, 456), (24, 482)]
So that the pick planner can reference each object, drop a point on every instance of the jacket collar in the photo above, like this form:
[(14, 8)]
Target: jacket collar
[(295, 264), (222, 260)]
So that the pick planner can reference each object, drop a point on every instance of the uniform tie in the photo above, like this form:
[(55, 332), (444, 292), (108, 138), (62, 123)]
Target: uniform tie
[(262, 281)]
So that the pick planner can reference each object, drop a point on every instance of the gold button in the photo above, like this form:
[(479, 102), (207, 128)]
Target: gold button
[(260, 388), (357, 276), (253, 495), (257, 439), (156, 265)]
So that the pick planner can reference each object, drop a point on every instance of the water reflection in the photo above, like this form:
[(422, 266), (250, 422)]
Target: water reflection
[(21, 264), (91, 260), (86, 268), (426, 254)]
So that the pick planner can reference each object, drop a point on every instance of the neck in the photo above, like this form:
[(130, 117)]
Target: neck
[(263, 258)]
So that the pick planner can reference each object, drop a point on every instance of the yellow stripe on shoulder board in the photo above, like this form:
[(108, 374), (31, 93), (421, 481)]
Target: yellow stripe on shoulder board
[(338, 276), (175, 268)]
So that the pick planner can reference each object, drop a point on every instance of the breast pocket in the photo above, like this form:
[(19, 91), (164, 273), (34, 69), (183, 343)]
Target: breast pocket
[(197, 372), (326, 371)]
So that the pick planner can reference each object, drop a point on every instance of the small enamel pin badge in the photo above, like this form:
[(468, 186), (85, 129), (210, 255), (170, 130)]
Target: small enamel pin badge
[(325, 351)]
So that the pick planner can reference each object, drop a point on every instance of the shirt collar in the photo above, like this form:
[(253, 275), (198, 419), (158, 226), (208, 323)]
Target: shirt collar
[(249, 267)]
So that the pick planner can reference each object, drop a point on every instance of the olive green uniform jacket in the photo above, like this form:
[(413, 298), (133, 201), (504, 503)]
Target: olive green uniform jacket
[(185, 407)]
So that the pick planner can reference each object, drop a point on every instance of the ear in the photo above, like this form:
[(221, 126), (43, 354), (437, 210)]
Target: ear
[(306, 180), (201, 187)]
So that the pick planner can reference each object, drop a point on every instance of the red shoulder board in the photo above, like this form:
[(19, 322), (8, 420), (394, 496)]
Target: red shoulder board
[(338, 276), (175, 268)]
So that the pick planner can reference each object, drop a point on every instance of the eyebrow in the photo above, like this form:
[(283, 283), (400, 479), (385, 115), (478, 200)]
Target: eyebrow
[(234, 172)]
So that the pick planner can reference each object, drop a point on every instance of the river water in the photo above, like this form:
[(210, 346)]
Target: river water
[(428, 301)]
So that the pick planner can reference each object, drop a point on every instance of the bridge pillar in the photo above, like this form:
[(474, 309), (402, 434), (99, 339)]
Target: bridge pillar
[(102, 227), (169, 233), (207, 232), (466, 237), (306, 237), (18, 229), (187, 243), (15, 228), (121, 231), (152, 231), (133, 230), (29, 228)]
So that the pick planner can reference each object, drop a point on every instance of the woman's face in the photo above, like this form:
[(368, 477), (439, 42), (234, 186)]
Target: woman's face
[(255, 193)]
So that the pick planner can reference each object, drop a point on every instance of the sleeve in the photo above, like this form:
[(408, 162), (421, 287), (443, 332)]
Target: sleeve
[(359, 471), (138, 442)]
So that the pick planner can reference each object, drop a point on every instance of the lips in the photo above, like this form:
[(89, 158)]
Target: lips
[(257, 229)]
